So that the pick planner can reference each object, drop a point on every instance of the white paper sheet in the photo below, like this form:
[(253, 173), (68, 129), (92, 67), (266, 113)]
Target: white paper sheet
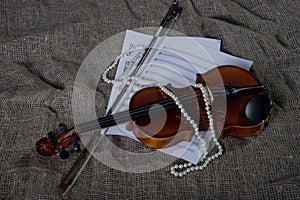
[(176, 61)]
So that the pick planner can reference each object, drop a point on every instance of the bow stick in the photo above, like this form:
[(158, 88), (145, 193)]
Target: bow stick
[(67, 183)]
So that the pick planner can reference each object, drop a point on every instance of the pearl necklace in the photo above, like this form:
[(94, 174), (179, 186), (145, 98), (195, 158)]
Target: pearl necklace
[(139, 82)]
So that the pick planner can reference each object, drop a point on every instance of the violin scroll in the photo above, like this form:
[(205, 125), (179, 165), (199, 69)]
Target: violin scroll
[(56, 145)]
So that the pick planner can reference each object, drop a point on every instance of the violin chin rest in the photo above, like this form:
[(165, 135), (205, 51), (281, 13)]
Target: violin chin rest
[(258, 108)]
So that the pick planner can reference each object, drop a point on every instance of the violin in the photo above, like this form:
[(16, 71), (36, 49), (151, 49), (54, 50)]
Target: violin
[(247, 110)]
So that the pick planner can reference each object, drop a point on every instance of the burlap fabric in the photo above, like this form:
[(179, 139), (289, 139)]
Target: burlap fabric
[(42, 46)]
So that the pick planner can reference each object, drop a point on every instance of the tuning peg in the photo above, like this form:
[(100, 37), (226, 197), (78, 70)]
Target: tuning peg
[(63, 127), (64, 154), (76, 147), (52, 135)]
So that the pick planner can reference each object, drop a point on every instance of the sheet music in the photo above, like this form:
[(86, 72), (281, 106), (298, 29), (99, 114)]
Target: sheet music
[(176, 61)]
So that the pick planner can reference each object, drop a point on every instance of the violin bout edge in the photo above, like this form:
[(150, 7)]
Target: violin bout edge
[(160, 142)]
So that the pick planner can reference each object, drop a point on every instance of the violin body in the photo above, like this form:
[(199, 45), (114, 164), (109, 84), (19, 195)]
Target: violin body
[(239, 103), (229, 120)]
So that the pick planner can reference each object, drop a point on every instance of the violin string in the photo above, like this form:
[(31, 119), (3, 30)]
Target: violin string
[(94, 124), (121, 116), (165, 102), (124, 115)]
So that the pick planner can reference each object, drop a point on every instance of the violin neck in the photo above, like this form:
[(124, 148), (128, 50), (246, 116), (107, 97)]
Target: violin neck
[(126, 116)]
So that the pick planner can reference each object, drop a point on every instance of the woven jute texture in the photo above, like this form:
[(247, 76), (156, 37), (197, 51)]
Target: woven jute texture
[(42, 45)]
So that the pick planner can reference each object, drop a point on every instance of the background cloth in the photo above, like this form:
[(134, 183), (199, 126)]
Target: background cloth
[(42, 45)]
